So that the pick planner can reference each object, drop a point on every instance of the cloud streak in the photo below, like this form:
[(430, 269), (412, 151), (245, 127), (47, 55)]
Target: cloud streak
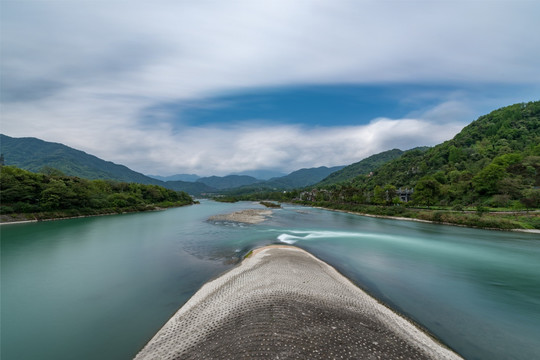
[(84, 73)]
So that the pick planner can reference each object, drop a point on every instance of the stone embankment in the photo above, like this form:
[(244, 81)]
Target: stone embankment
[(283, 303)]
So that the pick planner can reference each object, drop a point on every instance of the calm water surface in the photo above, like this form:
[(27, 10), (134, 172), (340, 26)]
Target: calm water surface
[(99, 288)]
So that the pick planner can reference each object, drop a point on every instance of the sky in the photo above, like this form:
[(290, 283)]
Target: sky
[(220, 87)]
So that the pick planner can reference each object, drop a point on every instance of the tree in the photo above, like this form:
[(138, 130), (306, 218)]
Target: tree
[(427, 191), (486, 181), (378, 195), (531, 198), (389, 193)]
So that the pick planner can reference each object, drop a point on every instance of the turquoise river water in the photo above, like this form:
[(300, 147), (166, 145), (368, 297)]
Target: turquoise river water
[(100, 287)]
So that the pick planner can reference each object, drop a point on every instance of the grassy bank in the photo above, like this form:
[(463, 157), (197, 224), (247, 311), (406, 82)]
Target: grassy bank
[(502, 220)]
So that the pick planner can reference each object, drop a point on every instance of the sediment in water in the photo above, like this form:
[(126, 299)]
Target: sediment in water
[(283, 303)]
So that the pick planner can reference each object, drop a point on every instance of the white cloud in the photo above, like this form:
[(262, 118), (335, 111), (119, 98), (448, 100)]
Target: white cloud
[(82, 72), (225, 149)]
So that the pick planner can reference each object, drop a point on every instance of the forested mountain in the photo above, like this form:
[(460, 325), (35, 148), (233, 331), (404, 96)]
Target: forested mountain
[(37, 155), (303, 177), (494, 161), (227, 182), (362, 167), (41, 156), (46, 157)]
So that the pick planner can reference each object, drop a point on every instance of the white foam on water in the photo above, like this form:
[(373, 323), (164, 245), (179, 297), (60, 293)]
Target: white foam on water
[(292, 236), (288, 239)]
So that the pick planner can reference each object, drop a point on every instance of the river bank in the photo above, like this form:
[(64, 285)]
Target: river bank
[(22, 218), (517, 221), (531, 231), (259, 310)]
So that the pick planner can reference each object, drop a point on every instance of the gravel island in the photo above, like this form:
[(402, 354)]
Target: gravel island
[(283, 303), (249, 216)]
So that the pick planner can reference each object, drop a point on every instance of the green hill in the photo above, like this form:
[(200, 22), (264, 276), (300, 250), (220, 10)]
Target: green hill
[(37, 155), (362, 167), (494, 161)]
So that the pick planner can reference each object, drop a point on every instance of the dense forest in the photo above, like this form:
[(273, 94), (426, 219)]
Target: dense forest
[(494, 162), (56, 195)]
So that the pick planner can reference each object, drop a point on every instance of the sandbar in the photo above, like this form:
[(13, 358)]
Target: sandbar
[(249, 216)]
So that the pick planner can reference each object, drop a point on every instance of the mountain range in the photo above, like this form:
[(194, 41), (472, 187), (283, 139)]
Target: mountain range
[(495, 161), (177, 177), (37, 155)]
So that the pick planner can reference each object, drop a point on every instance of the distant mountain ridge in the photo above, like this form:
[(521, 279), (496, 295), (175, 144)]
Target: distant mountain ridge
[(177, 177), (297, 179), (262, 174), (35, 155), (227, 182)]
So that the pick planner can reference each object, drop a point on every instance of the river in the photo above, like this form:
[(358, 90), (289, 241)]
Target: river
[(100, 287)]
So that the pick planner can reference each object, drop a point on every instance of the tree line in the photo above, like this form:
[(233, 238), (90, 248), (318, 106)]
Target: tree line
[(22, 191)]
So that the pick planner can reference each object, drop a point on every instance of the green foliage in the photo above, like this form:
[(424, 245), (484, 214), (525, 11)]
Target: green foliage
[(427, 190), (22, 191), (56, 160), (363, 167), (531, 198), (494, 160)]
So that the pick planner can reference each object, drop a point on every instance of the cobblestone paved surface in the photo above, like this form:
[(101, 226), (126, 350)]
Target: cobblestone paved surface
[(283, 303)]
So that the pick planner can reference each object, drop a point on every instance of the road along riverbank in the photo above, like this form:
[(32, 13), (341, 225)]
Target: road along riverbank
[(282, 302)]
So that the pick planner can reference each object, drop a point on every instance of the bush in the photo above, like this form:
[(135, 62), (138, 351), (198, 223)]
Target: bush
[(6, 209)]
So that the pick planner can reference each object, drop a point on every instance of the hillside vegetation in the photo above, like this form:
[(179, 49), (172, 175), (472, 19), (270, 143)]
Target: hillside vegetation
[(52, 196), (494, 161), (37, 156), (47, 157), (303, 177), (363, 167), (488, 175)]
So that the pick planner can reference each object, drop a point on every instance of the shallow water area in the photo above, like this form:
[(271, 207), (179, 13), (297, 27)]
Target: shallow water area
[(102, 287)]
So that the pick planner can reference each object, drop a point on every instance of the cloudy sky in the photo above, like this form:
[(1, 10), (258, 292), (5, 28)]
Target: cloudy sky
[(219, 87)]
